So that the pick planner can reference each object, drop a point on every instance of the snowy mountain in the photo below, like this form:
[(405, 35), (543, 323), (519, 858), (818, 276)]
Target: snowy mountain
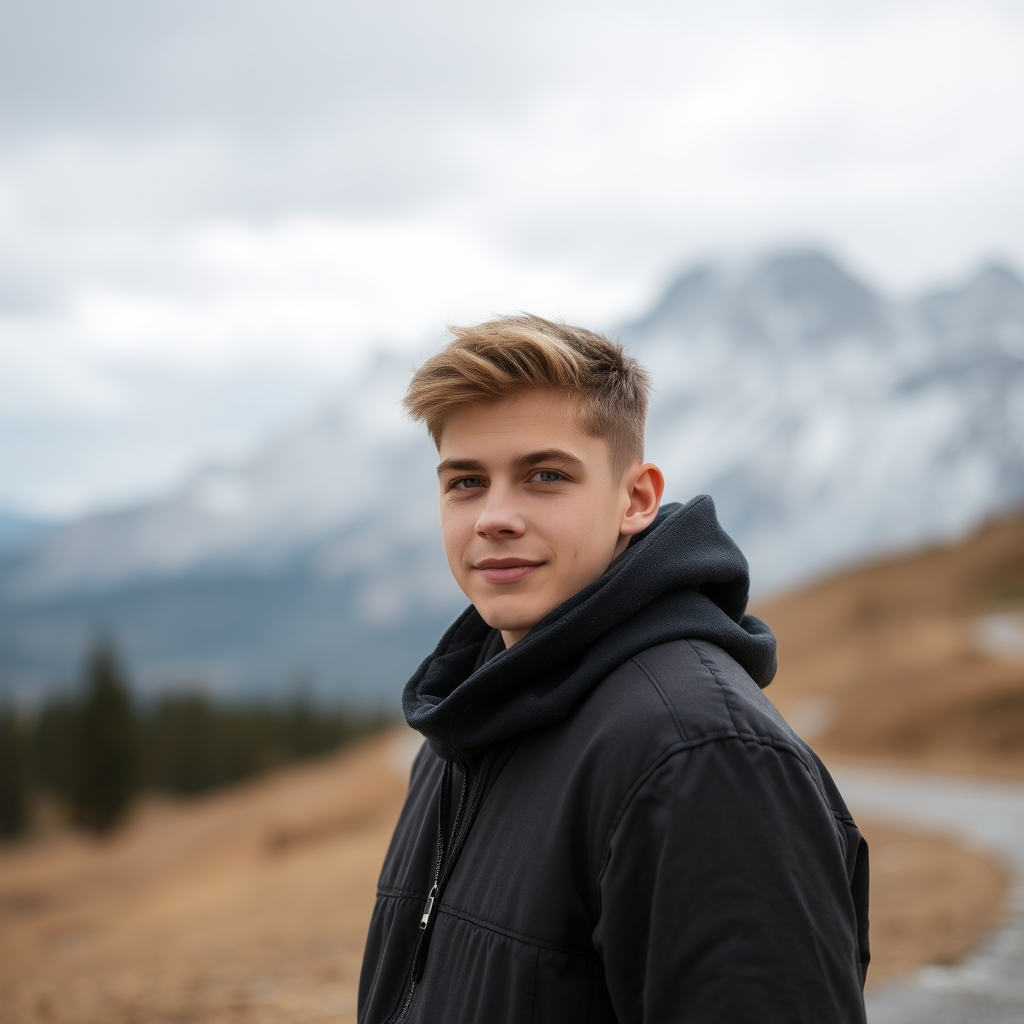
[(828, 420), (18, 532), (318, 560)]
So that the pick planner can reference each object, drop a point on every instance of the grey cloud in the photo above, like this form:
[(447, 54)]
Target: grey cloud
[(265, 107), (259, 68)]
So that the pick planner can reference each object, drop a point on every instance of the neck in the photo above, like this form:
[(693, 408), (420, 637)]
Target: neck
[(513, 636)]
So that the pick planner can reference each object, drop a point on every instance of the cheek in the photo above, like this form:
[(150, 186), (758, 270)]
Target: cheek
[(589, 537), (456, 533), (578, 537), (449, 531)]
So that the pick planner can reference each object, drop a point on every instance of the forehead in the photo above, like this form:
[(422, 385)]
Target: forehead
[(534, 419)]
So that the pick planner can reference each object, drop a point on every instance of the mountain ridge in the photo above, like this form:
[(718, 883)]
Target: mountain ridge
[(829, 421)]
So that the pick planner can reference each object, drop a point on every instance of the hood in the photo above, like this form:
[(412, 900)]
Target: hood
[(681, 579)]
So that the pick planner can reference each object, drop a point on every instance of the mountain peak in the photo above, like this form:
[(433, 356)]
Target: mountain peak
[(987, 308), (807, 295), (688, 299), (789, 297)]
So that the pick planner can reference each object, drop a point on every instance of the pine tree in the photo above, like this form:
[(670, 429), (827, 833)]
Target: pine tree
[(14, 780), (105, 775), (53, 745)]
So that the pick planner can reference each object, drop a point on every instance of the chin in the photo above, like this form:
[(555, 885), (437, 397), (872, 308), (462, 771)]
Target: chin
[(505, 618)]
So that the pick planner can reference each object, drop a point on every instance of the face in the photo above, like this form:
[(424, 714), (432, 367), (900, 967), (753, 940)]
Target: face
[(531, 511)]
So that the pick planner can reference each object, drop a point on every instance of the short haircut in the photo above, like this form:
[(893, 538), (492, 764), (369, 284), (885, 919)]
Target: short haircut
[(505, 357)]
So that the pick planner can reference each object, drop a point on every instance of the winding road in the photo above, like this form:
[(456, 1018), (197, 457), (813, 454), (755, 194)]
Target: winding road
[(989, 987), (1001, 635)]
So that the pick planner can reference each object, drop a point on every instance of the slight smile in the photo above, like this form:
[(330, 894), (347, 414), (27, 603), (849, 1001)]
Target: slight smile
[(506, 570)]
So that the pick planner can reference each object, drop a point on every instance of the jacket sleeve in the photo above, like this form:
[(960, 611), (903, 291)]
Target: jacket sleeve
[(725, 895)]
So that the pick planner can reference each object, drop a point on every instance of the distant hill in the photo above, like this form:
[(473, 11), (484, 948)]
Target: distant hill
[(829, 421), (18, 532), (917, 657)]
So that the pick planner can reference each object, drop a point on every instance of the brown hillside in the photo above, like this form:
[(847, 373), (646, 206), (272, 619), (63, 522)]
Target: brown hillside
[(249, 905), (895, 659), (252, 905)]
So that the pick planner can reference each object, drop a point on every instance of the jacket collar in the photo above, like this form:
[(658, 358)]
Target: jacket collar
[(683, 578)]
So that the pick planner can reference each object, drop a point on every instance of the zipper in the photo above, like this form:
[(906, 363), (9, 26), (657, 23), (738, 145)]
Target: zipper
[(403, 1010), (429, 907), (443, 866)]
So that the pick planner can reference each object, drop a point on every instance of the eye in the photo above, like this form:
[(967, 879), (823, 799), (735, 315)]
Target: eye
[(466, 483), (547, 476)]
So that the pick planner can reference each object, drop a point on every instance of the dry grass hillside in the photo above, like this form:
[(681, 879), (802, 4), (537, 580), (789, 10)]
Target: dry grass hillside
[(918, 658), (252, 905), (249, 905)]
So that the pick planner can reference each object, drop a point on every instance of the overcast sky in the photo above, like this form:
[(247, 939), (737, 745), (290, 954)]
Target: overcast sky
[(211, 212)]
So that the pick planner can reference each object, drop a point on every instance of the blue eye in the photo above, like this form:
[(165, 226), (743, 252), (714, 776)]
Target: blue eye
[(468, 482), (548, 476)]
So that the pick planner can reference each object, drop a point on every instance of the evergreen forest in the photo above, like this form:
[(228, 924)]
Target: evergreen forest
[(92, 752)]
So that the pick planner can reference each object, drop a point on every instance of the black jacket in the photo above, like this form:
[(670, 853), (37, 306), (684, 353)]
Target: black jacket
[(611, 823)]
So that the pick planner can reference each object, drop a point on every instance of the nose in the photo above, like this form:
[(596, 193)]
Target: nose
[(499, 518)]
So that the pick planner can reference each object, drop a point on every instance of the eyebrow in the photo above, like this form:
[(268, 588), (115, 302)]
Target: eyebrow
[(547, 455), (520, 462), (461, 465)]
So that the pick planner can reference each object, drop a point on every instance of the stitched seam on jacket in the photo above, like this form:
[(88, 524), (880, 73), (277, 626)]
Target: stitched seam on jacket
[(371, 991), (815, 778), (508, 933), (409, 894), (661, 693), (478, 922), (721, 686), (680, 748)]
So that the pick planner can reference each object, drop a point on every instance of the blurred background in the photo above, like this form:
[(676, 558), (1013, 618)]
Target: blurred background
[(229, 231)]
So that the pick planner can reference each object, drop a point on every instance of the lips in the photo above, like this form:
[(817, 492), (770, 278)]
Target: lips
[(506, 570)]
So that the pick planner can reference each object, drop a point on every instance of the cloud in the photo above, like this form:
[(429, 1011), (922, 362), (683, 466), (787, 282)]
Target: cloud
[(223, 188)]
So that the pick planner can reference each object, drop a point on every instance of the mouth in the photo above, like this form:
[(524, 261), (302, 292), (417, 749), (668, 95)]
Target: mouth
[(506, 570)]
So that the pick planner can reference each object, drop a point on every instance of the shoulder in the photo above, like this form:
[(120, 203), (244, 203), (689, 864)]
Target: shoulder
[(689, 691), (708, 694), (729, 744), (681, 696)]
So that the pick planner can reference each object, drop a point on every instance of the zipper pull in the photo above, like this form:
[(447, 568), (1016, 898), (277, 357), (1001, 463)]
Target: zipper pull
[(428, 907)]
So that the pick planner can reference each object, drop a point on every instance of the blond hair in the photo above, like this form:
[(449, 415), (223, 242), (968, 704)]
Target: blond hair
[(503, 358)]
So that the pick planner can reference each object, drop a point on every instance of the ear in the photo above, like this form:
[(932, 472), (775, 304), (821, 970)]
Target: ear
[(644, 487)]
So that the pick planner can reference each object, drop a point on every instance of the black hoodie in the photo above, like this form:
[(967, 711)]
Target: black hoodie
[(611, 823)]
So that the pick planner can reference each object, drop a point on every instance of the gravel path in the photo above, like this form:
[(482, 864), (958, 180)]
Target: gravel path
[(989, 987)]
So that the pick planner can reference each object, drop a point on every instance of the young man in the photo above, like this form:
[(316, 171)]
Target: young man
[(609, 821)]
